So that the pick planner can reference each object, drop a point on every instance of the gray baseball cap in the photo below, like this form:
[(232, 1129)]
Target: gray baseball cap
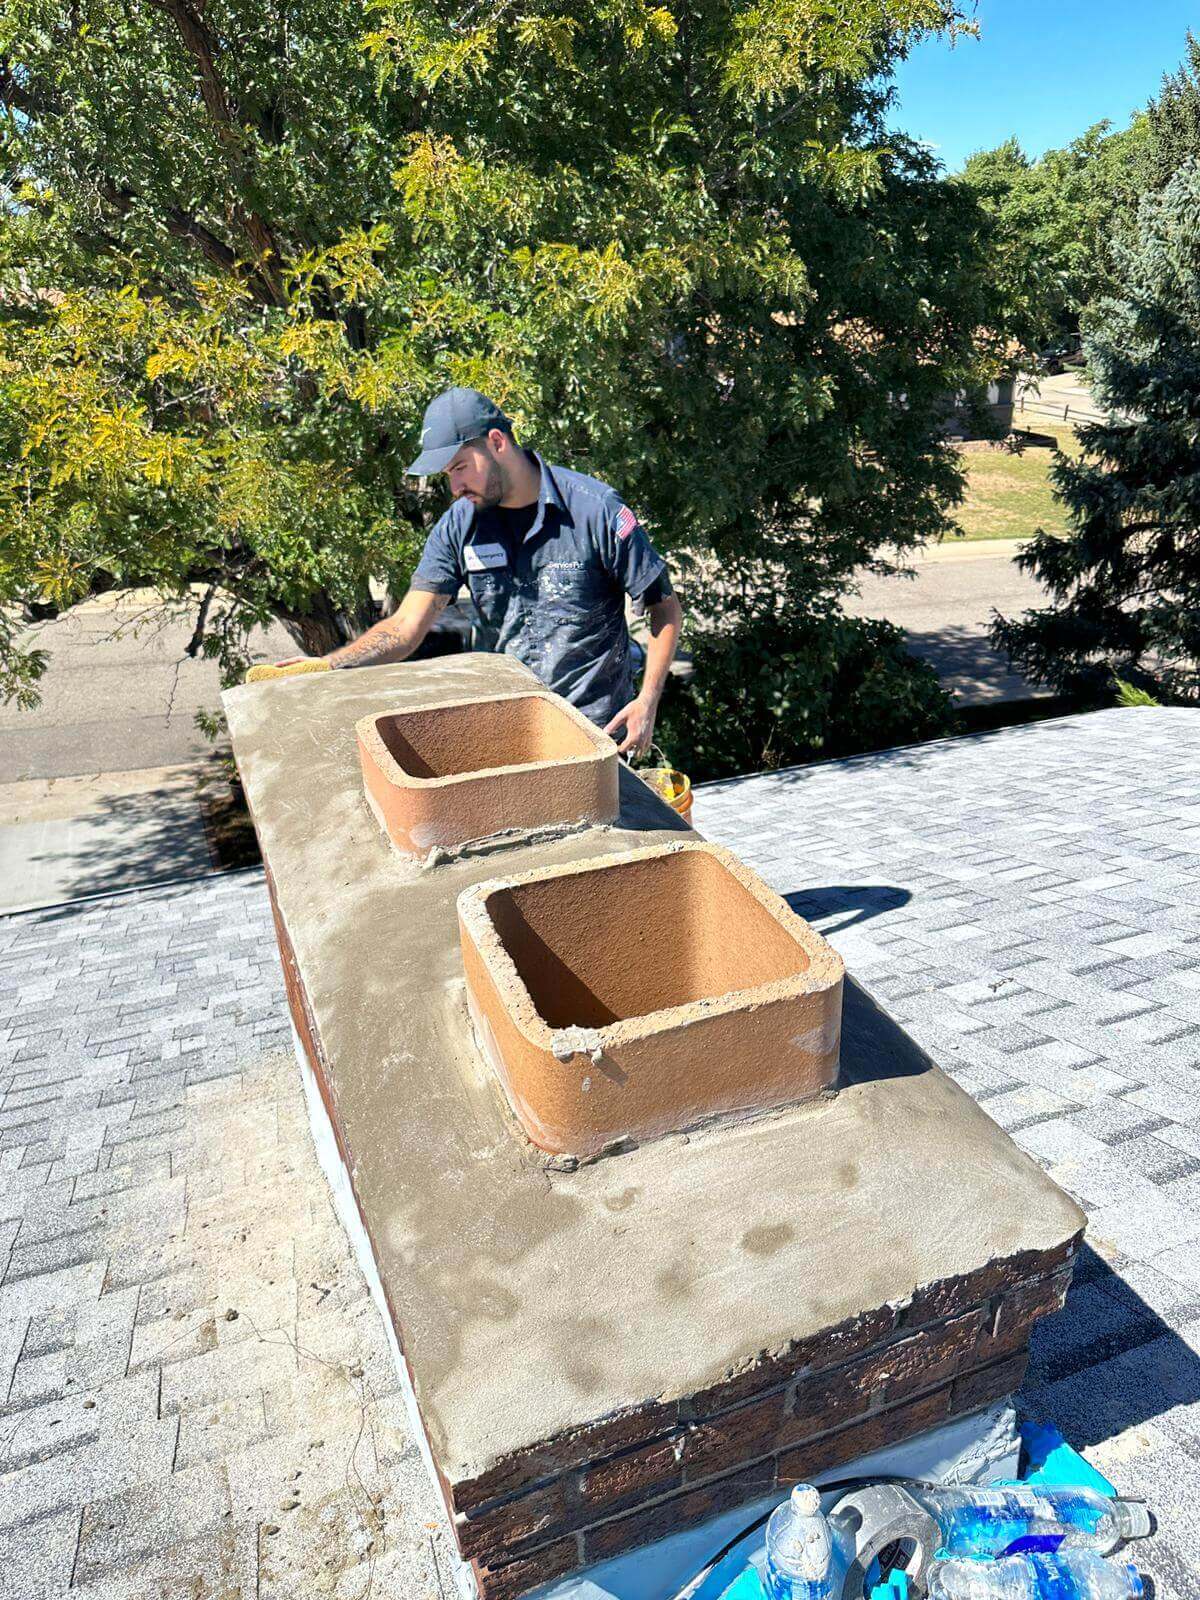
[(452, 420)]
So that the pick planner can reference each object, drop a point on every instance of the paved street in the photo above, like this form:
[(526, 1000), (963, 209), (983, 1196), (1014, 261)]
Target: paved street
[(196, 1393), (1060, 397), (120, 695), (945, 609)]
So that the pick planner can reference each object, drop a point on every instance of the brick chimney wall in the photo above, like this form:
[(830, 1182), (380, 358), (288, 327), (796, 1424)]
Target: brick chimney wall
[(959, 1346), (593, 1489)]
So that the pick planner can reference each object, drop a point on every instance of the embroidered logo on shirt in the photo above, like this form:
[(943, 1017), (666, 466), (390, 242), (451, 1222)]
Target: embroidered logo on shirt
[(625, 524)]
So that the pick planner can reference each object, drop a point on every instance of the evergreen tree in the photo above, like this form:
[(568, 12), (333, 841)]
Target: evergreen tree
[(1174, 121), (246, 241), (1126, 580)]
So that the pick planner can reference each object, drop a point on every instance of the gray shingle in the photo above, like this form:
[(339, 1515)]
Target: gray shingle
[(1029, 901)]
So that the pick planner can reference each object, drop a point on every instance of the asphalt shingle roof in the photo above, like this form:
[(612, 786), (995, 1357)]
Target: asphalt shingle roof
[(1027, 905), (195, 1383), (200, 1397)]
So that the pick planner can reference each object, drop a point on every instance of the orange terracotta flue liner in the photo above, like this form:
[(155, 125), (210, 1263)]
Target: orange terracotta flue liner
[(446, 774), (630, 996)]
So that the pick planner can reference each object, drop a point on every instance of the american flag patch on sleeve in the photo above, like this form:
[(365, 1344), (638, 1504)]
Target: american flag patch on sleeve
[(625, 524)]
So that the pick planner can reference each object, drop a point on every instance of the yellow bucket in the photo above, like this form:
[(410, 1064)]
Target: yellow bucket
[(669, 785)]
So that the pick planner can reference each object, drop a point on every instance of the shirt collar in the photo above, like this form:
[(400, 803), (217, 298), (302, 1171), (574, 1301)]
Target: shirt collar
[(549, 494)]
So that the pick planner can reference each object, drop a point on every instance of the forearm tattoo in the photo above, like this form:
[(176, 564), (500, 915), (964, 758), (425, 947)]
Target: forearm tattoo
[(382, 642)]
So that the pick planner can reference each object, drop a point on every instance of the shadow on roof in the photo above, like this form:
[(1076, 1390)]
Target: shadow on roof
[(1108, 1361), (847, 904), (642, 808), (873, 1045)]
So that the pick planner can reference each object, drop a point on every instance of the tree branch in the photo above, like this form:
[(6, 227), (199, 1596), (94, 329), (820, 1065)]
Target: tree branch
[(183, 225), (21, 96), (201, 45), (191, 228), (193, 646)]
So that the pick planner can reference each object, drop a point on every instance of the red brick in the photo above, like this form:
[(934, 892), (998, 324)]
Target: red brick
[(872, 1433), (926, 1359), (882, 1377), (540, 1514), (733, 1437), (825, 1349), (518, 1577), (1021, 1307), (567, 1452), (680, 1511), (974, 1390), (640, 1475), (827, 1401), (950, 1295), (838, 1344)]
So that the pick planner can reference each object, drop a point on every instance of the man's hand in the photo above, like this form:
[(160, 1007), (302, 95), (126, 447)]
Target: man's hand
[(637, 718)]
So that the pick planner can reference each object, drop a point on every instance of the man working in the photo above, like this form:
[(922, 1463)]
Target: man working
[(549, 556)]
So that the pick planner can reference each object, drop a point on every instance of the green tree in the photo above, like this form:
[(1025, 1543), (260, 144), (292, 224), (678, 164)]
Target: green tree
[(1173, 121), (1126, 581), (776, 686), (246, 243), (1055, 220)]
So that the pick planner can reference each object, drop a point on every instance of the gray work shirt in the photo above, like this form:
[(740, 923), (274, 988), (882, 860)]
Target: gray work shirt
[(557, 600)]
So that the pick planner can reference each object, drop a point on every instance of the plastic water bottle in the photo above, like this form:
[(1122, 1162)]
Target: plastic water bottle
[(1028, 1517), (1073, 1575), (800, 1549)]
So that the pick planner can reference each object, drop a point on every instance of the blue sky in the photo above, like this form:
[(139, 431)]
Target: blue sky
[(1043, 72)]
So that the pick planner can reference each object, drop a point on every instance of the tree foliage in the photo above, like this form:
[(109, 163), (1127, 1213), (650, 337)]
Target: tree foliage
[(1126, 581), (1173, 121), (1056, 219), (245, 243), (774, 688)]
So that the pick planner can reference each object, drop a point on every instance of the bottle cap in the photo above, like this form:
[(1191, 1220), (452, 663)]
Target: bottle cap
[(806, 1500), (1132, 1519)]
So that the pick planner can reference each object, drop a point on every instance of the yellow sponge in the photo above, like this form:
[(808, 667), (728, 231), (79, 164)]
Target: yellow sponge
[(265, 670)]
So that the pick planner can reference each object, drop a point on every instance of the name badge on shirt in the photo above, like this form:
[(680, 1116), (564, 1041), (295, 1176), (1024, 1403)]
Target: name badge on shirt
[(484, 557)]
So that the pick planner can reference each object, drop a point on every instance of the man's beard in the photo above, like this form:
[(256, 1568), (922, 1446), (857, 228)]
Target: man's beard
[(493, 489)]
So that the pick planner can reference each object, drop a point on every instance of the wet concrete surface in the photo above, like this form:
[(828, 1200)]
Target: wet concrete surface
[(529, 1300)]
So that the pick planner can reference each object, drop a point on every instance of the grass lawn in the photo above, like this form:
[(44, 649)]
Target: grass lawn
[(1008, 492)]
